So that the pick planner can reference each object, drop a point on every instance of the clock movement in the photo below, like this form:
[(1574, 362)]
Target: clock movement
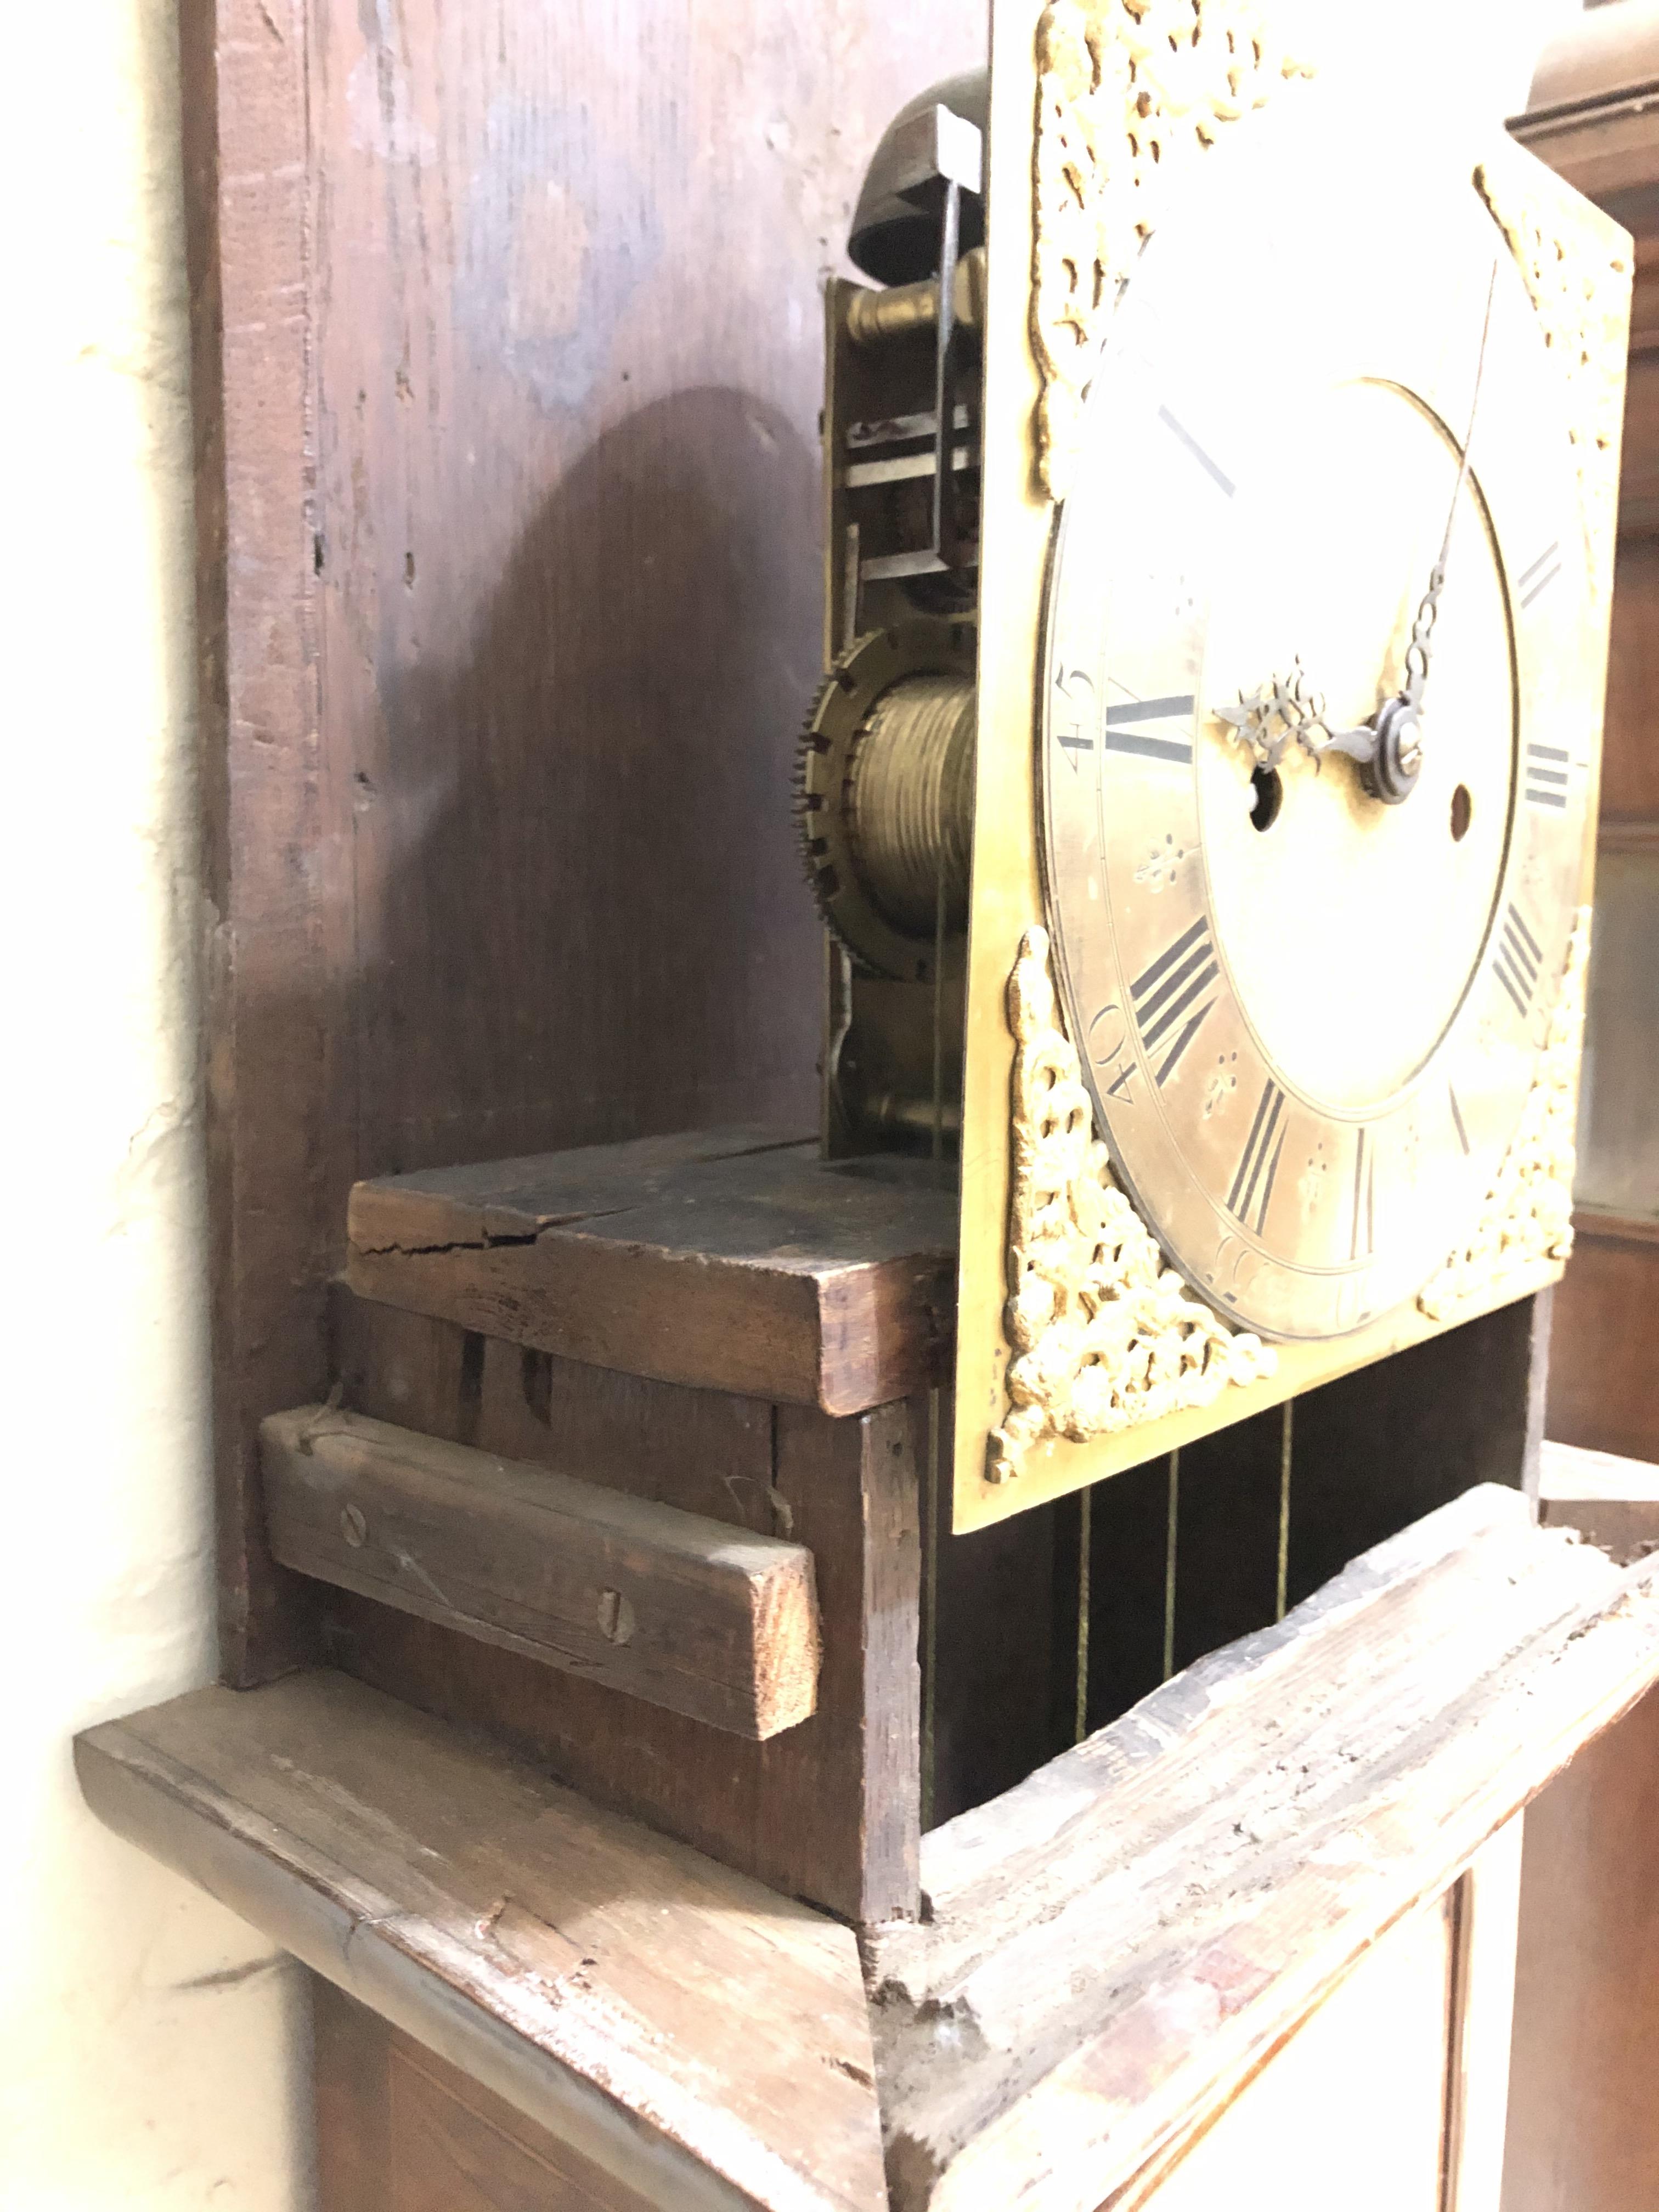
[(1202, 798)]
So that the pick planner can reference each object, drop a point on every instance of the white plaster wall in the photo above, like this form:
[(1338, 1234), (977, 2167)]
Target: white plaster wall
[(151, 2049), (152, 2052)]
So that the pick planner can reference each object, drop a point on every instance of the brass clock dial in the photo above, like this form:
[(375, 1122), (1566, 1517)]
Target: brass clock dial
[(1308, 1003)]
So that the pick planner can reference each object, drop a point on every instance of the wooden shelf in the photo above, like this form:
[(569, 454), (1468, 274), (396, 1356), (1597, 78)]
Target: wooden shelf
[(733, 1260), (701, 2041)]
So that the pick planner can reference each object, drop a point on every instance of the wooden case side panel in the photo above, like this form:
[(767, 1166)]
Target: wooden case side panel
[(278, 1137)]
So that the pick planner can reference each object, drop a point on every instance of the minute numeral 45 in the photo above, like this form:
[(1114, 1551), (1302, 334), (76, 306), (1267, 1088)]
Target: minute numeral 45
[(1172, 997), (1516, 961), (1253, 1186), (1074, 694)]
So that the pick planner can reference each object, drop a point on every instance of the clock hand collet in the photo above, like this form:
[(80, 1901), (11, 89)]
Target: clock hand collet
[(1389, 747)]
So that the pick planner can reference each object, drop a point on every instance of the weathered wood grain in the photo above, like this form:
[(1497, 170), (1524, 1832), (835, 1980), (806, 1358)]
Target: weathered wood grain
[(738, 1262), (1110, 1949), (279, 1148), (698, 2039), (829, 1810), (702, 1451), (687, 1614)]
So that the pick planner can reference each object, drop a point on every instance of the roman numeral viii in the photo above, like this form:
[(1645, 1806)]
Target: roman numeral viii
[(1173, 996), (1516, 961), (1253, 1186)]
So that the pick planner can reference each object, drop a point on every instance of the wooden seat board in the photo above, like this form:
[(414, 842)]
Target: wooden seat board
[(735, 1260)]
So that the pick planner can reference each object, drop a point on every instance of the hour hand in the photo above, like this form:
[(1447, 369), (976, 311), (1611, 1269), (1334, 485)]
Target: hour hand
[(1387, 749), (1265, 721)]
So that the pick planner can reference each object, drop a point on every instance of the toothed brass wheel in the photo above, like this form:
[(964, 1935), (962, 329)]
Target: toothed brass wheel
[(884, 793)]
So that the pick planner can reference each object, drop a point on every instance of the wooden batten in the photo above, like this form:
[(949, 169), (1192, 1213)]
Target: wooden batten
[(708, 1620), (733, 1260)]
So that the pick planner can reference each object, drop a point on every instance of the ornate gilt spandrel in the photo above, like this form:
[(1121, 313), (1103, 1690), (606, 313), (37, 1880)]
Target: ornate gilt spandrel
[(1128, 93), (1580, 286), (1526, 1221), (1106, 1335)]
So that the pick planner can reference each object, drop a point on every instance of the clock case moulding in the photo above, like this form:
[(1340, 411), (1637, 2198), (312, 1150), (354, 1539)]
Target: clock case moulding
[(955, 409)]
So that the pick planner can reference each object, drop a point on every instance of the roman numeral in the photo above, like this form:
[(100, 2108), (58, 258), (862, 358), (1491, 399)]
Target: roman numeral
[(1364, 1200), (1164, 998), (1542, 574), (1130, 728), (1546, 776), (1253, 1186), (1457, 1119), (1216, 474), (1516, 961)]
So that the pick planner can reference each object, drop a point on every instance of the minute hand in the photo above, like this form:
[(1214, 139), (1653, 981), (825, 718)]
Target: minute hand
[(1389, 749)]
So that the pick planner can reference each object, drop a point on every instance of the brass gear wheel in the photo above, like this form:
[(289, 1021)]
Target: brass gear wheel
[(884, 796)]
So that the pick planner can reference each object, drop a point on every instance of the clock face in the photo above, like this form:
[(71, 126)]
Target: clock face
[(1310, 1020)]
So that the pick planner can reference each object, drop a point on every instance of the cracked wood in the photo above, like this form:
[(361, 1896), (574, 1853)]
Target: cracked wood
[(708, 1620), (1110, 1950), (733, 1260), (698, 2039)]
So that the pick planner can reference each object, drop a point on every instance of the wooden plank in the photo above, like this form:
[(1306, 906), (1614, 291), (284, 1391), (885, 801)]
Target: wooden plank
[(1604, 1381), (1583, 2124), (1612, 1502), (853, 1772), (278, 1153), (1108, 1952), (702, 1451), (701, 1619), (699, 2039), (828, 1811), (400, 2130), (753, 1268)]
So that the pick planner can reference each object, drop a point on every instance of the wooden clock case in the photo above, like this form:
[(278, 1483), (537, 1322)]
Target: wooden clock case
[(672, 1810)]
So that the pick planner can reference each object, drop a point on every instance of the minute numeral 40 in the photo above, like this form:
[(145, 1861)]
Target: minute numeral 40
[(1253, 1186), (1172, 997), (1516, 961)]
